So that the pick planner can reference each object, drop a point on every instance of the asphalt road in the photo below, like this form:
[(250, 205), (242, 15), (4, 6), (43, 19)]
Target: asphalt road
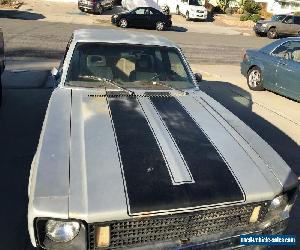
[(25, 103), (46, 39)]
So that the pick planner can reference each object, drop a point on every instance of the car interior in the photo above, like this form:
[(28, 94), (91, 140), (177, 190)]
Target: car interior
[(134, 67)]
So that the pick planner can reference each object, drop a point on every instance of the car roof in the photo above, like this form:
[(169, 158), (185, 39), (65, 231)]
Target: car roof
[(268, 48), (118, 36)]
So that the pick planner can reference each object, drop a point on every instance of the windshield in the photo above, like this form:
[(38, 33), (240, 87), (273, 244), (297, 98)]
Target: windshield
[(196, 2), (278, 17), (130, 66)]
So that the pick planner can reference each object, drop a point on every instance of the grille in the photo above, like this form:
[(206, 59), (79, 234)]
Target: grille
[(147, 230)]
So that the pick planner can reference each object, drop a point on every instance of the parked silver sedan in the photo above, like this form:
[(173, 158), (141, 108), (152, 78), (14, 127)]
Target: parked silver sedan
[(133, 155)]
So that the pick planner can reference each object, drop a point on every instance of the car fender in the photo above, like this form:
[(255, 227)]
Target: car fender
[(272, 160)]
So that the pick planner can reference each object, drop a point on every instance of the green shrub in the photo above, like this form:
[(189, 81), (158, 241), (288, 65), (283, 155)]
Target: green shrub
[(252, 7), (255, 17), (245, 17), (297, 13), (6, 1)]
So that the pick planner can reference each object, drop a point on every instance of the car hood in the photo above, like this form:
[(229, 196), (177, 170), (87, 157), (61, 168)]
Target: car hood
[(107, 155)]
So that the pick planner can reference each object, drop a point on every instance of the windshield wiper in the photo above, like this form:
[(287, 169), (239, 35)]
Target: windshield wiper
[(109, 81), (167, 85)]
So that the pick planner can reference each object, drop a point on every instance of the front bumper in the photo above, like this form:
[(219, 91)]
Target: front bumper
[(259, 29), (114, 20), (198, 15), (224, 240)]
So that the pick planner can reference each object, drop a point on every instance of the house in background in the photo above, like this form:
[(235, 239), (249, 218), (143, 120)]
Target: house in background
[(280, 6)]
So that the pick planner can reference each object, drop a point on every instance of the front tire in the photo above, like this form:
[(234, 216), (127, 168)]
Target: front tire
[(272, 33), (123, 23), (160, 26), (254, 79)]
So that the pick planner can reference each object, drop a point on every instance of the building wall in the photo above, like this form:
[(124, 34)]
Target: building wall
[(281, 6)]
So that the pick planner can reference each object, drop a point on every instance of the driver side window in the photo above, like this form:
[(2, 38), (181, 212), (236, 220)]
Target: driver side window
[(140, 11), (282, 51), (289, 20), (289, 51)]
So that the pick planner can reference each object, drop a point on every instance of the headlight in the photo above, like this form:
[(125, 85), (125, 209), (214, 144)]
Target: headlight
[(115, 16), (62, 231), (264, 25), (280, 207), (279, 203)]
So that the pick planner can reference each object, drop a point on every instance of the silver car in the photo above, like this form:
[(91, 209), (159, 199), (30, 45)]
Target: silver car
[(278, 25), (133, 155)]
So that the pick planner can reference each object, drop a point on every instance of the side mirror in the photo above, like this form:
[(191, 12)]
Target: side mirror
[(198, 77), (53, 79), (54, 72)]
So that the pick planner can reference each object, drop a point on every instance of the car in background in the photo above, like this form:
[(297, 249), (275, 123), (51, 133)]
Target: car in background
[(132, 155), (2, 61), (143, 17), (275, 67), (278, 25), (191, 9), (95, 6)]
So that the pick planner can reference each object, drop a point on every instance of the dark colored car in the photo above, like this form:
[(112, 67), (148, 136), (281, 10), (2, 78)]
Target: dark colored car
[(278, 25), (2, 62), (144, 17), (275, 67), (95, 6)]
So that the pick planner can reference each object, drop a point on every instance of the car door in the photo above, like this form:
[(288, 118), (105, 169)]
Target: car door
[(296, 26), (150, 18), (271, 63), (286, 27), (154, 16), (288, 70), (138, 18)]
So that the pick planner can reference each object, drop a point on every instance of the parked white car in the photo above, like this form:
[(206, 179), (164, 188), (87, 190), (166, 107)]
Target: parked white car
[(133, 155), (191, 9)]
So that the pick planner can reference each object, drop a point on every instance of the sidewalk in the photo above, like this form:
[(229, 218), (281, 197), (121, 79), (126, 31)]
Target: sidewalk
[(280, 111)]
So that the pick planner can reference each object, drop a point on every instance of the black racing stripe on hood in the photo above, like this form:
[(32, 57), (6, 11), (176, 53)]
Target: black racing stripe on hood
[(148, 183), (210, 171)]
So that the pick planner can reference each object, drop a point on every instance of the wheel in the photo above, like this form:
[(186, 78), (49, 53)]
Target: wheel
[(123, 23), (100, 9), (258, 34), (177, 10), (272, 33), (160, 26), (254, 79), (187, 16)]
